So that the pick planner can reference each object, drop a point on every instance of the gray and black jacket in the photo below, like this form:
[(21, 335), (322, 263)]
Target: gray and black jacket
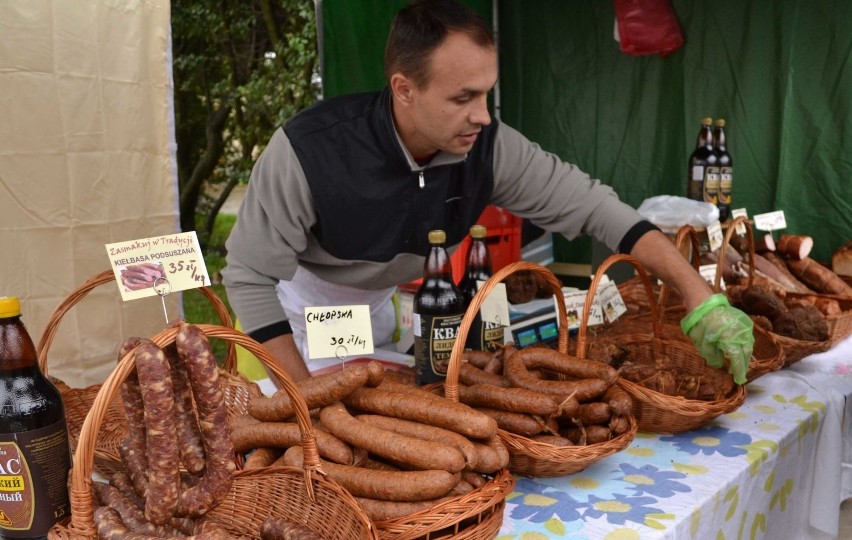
[(336, 193)]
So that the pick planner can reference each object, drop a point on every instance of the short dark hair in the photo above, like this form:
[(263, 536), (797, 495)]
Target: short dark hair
[(420, 27)]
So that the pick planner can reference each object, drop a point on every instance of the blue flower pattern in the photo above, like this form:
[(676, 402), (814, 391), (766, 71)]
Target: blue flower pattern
[(624, 493)]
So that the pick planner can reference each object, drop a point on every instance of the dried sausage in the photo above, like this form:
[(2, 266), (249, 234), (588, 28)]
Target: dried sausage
[(398, 448), (209, 394), (155, 383)]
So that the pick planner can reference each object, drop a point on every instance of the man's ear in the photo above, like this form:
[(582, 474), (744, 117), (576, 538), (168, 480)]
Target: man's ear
[(402, 87)]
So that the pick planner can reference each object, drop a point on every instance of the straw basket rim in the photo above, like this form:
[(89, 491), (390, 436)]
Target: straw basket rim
[(312, 477), (527, 456), (657, 412)]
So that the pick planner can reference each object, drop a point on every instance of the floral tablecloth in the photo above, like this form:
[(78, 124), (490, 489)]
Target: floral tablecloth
[(770, 470)]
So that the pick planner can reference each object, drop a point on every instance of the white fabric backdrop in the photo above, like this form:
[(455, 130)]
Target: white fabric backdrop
[(86, 158)]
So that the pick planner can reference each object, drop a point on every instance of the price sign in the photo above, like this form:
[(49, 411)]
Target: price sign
[(708, 272), (338, 331), (574, 302), (714, 234), (495, 307), (740, 212), (611, 302), (158, 265), (770, 221)]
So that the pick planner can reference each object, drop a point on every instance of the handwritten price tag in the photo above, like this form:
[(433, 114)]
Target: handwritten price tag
[(740, 212), (495, 307), (714, 234), (770, 221), (574, 302), (610, 300), (708, 272), (338, 331), (158, 265)]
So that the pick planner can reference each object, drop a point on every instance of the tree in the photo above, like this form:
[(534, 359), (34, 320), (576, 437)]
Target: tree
[(241, 68)]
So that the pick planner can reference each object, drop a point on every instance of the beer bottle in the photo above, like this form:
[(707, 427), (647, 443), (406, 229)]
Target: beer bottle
[(726, 170), (34, 455), (438, 311), (702, 163), (483, 336)]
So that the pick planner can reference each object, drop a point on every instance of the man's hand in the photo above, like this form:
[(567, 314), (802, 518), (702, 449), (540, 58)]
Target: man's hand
[(718, 329), (284, 349)]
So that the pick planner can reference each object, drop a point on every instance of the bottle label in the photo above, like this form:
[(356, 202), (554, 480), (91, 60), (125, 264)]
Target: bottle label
[(726, 181), (434, 345), (485, 335), (34, 469), (711, 185)]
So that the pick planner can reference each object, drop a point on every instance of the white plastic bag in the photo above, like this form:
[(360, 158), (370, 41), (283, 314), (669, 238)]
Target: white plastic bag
[(670, 213)]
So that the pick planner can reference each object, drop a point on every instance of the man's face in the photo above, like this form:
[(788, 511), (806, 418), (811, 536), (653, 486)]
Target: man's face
[(449, 111)]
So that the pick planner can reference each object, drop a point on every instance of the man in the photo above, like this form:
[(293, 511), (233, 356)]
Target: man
[(341, 201)]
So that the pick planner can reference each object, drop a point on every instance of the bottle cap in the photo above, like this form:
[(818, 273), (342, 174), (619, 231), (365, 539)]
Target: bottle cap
[(478, 231), (707, 121), (437, 237), (10, 306), (720, 122)]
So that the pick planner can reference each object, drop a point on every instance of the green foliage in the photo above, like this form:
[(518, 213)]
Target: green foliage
[(241, 68), (196, 307)]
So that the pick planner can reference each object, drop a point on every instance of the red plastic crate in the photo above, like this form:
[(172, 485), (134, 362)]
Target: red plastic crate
[(503, 237)]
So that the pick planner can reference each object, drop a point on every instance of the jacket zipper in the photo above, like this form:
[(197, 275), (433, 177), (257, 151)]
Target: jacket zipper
[(421, 180)]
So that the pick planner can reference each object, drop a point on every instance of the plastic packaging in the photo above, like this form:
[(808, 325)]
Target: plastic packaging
[(669, 212)]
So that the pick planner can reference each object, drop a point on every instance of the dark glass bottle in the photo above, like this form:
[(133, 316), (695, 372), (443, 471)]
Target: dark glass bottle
[(438, 311), (483, 336), (726, 170), (703, 167), (34, 454)]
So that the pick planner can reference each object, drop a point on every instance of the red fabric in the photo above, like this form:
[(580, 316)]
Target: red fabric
[(647, 27)]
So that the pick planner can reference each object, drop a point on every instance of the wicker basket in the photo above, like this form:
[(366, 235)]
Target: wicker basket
[(304, 495), (78, 401), (840, 325), (476, 515), (656, 412), (792, 350), (526, 456)]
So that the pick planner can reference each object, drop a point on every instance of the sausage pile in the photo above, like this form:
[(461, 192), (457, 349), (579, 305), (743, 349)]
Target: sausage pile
[(395, 447), (545, 395), (176, 416)]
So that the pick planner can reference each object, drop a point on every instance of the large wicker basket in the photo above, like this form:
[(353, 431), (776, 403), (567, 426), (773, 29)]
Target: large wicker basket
[(78, 401), (303, 495), (475, 515), (657, 412), (527, 456), (792, 349)]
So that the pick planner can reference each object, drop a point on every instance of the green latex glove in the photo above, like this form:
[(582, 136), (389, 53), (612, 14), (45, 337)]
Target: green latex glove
[(718, 329)]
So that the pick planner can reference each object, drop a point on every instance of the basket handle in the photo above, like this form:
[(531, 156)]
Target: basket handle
[(723, 251), (80, 490), (108, 276), (451, 384), (684, 234), (590, 297)]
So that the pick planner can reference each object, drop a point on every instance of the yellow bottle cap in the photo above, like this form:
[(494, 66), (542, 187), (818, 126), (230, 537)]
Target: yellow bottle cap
[(10, 306), (478, 231), (707, 121), (437, 237), (720, 122)]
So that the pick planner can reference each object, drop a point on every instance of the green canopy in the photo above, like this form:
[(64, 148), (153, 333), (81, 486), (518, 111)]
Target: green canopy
[(778, 71)]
